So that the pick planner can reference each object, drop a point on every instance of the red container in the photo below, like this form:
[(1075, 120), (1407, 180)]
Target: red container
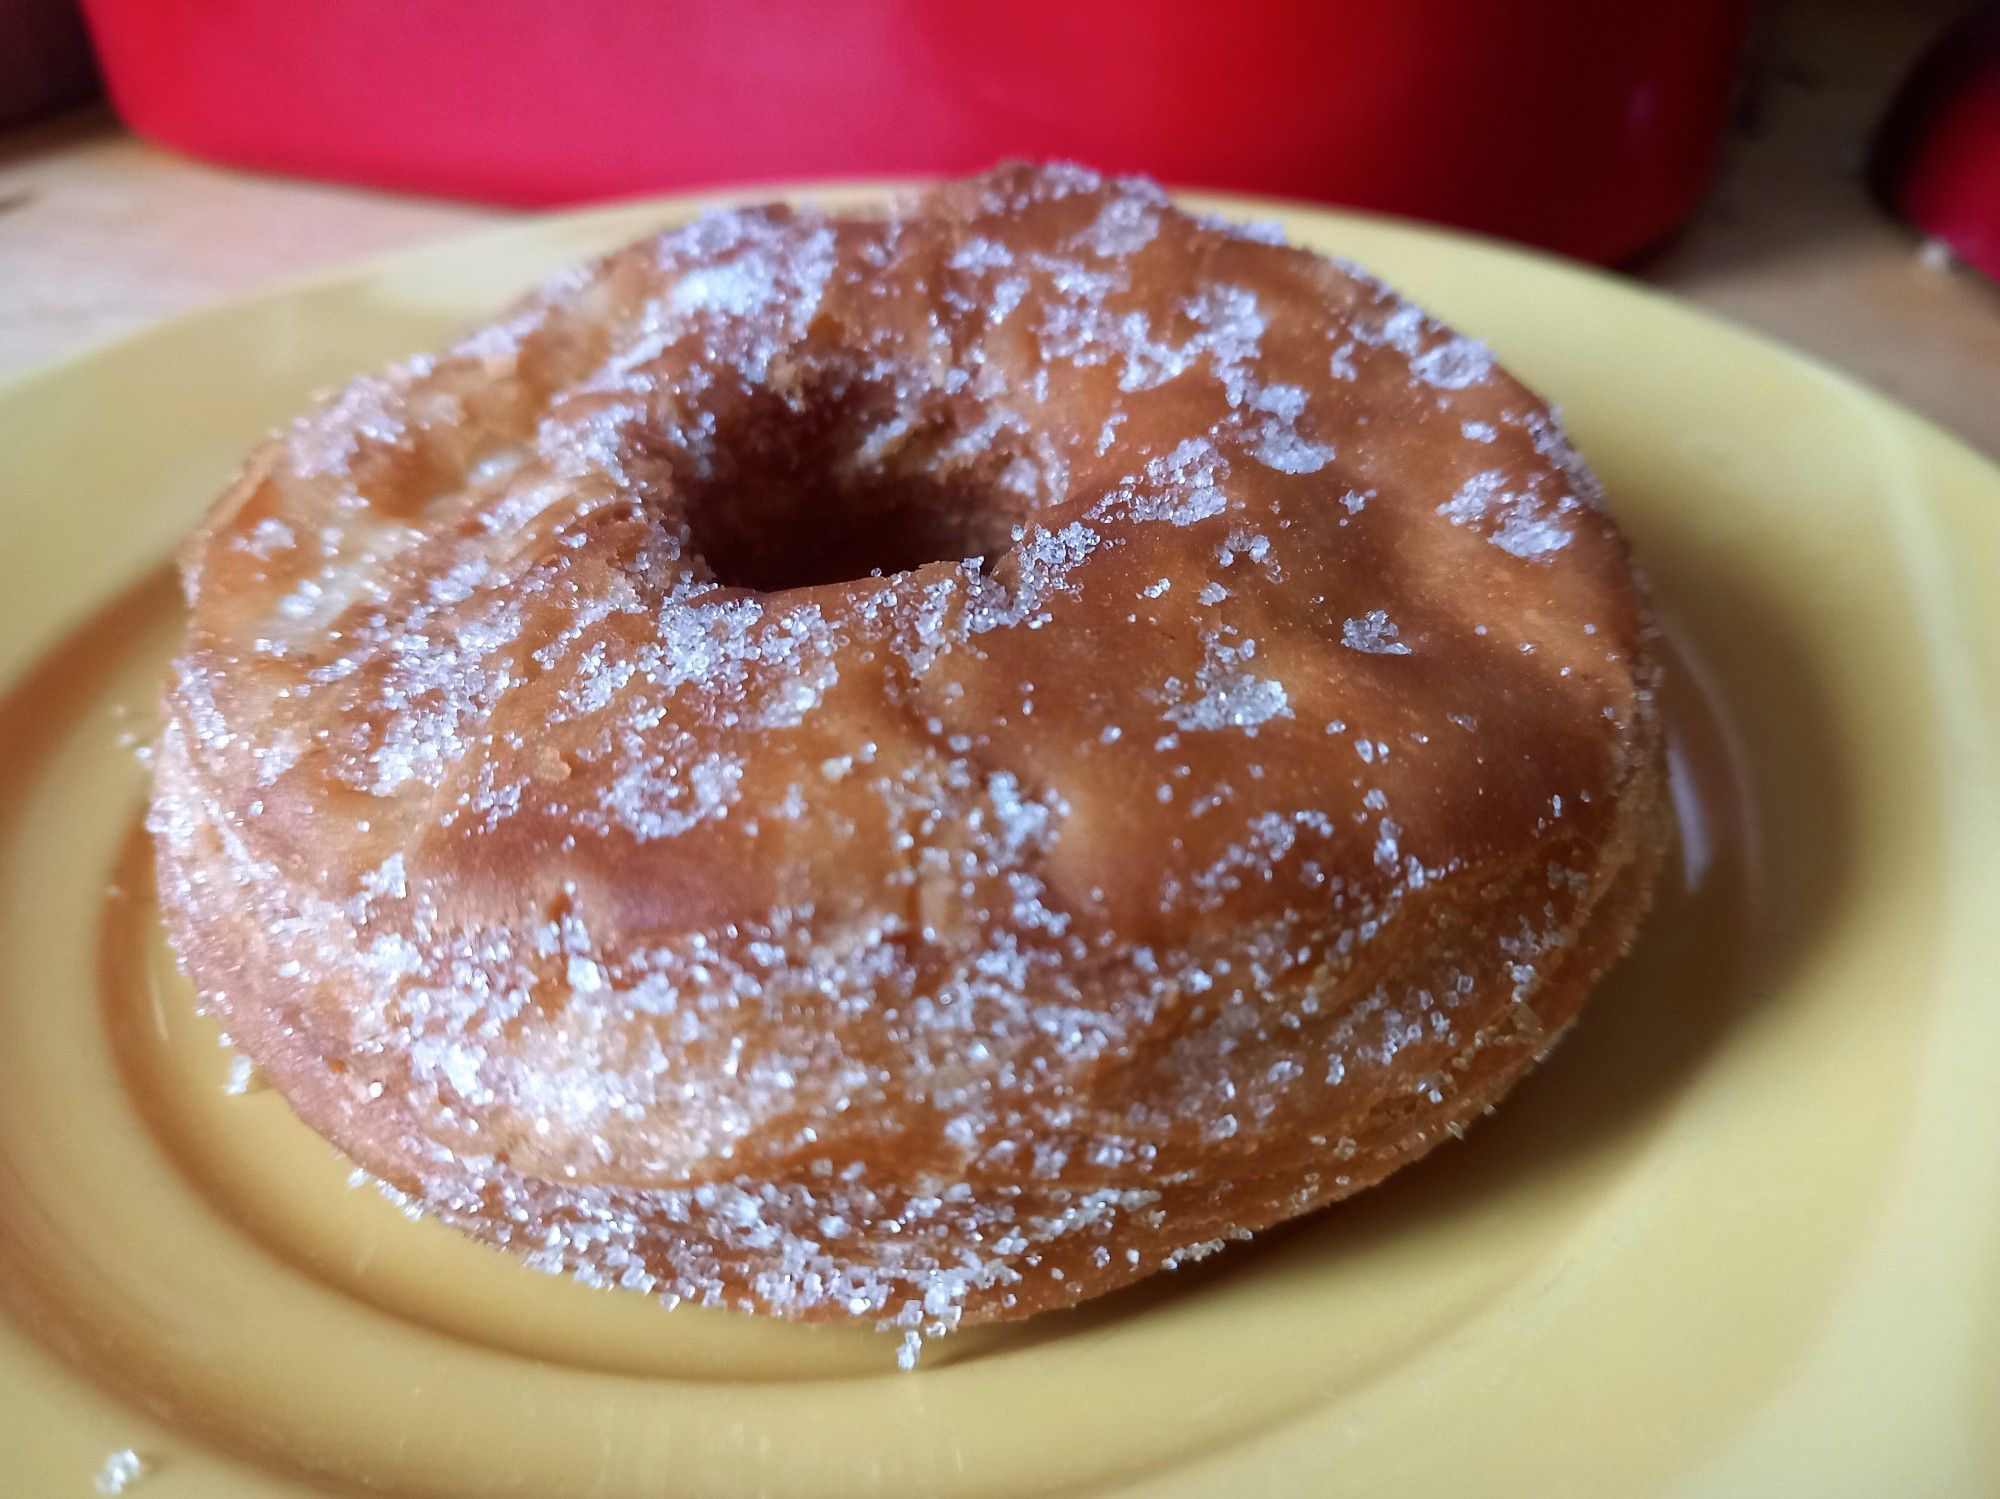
[(1937, 161), (1582, 125)]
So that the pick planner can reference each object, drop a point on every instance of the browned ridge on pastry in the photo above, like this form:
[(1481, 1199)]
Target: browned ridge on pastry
[(914, 767)]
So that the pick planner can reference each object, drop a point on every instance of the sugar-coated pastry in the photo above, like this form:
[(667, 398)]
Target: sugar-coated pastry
[(917, 766)]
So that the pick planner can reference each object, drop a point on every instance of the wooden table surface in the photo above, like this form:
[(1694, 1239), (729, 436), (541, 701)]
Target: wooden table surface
[(100, 233)]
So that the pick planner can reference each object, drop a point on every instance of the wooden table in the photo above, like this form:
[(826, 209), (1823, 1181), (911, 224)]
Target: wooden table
[(100, 233)]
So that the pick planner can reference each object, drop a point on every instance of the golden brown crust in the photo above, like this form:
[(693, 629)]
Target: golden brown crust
[(553, 805)]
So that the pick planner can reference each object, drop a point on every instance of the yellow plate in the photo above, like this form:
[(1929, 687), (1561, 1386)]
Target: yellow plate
[(1741, 1236)]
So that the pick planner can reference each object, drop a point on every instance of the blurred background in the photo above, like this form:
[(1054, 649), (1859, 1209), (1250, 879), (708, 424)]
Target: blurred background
[(1827, 170)]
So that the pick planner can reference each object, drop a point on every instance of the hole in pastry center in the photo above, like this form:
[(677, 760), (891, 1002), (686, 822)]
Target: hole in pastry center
[(840, 483)]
